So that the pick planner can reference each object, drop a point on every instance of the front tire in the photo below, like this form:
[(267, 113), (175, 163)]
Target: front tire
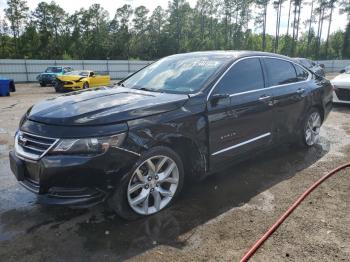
[(311, 128), (85, 85), (42, 84), (152, 185)]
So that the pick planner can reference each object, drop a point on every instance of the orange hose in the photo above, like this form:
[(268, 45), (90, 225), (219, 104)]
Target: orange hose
[(272, 229)]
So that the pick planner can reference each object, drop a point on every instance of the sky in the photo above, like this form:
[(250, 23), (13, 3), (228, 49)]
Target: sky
[(339, 21)]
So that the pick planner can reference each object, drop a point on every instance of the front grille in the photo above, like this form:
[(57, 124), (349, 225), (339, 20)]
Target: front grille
[(343, 94), (32, 146)]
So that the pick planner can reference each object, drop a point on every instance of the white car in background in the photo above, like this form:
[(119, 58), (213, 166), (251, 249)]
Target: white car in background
[(341, 84), (347, 68)]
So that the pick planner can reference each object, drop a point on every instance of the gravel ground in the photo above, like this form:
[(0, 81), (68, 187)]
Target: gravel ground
[(215, 220)]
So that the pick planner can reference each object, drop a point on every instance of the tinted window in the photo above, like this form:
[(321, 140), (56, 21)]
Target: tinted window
[(279, 71), (244, 76), (302, 75)]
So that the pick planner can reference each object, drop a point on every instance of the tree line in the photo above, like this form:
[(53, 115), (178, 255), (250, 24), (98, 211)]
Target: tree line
[(49, 32)]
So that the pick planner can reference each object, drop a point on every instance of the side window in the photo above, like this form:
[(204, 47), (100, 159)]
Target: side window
[(280, 72), (246, 75), (302, 74)]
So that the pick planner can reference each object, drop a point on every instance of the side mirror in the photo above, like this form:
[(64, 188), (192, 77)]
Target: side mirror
[(216, 98), (322, 66), (342, 71)]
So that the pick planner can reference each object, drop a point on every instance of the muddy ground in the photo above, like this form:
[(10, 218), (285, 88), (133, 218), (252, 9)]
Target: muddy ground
[(215, 220)]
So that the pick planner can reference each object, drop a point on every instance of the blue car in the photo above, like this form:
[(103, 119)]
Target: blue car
[(49, 76)]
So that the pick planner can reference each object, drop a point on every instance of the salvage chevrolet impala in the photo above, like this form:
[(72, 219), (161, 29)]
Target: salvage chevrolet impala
[(184, 116)]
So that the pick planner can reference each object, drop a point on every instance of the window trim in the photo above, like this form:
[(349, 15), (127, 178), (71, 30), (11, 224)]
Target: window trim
[(256, 90)]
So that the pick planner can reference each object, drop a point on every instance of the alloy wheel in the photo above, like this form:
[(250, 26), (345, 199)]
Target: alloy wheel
[(153, 184), (312, 130)]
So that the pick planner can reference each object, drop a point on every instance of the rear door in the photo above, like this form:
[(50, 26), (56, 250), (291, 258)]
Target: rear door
[(239, 112), (289, 84)]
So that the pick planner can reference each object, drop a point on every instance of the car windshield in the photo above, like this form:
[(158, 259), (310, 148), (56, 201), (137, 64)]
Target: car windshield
[(78, 73), (177, 74), (53, 70)]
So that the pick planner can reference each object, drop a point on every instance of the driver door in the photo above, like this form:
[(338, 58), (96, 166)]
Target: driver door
[(93, 79), (239, 113)]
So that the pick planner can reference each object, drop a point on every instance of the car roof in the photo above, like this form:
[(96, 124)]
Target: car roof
[(233, 54)]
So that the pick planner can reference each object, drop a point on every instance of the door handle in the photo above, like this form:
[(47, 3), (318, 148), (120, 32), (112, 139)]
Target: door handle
[(264, 98), (301, 91)]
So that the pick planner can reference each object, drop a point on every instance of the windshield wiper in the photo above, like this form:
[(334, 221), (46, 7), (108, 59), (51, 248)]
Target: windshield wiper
[(120, 84), (146, 89)]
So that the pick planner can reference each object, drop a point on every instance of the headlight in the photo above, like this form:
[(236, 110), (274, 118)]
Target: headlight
[(88, 146)]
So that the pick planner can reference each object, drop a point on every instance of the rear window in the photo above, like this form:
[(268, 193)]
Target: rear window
[(280, 71)]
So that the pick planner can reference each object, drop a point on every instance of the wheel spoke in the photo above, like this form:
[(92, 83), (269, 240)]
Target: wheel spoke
[(308, 136), (165, 193), (160, 164), (157, 199), (135, 187), (167, 172), (170, 180), (309, 124), (145, 205), (317, 122), (140, 198), (151, 166), (140, 176)]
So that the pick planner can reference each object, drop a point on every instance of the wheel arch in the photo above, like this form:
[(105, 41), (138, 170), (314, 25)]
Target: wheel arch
[(194, 159), (320, 110)]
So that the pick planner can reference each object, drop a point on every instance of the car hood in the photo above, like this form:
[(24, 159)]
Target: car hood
[(70, 77), (103, 106), (341, 79)]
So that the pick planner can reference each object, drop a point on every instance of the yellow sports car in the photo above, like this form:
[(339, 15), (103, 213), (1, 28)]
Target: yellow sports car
[(77, 80)]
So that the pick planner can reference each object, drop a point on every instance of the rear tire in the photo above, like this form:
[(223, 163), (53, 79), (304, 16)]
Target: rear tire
[(149, 187), (85, 85), (311, 125), (42, 84)]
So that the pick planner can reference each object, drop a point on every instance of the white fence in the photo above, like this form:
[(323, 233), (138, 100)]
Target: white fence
[(22, 70), (334, 66)]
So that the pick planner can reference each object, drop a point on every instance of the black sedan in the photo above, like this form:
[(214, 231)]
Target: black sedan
[(187, 115)]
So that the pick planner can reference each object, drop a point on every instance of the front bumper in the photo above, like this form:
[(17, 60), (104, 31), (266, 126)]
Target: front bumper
[(71, 180), (341, 95), (47, 81), (82, 197), (60, 87)]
